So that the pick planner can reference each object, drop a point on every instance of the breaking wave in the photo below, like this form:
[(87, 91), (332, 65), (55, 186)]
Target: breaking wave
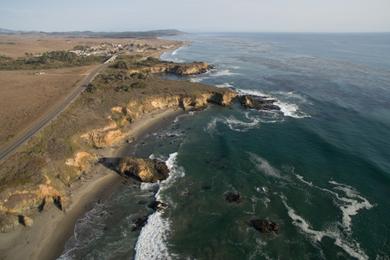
[(171, 55), (151, 242), (288, 109), (87, 229)]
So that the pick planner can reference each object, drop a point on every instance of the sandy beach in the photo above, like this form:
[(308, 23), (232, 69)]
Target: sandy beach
[(46, 238)]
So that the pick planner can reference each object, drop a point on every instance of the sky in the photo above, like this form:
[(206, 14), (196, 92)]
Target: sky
[(198, 15)]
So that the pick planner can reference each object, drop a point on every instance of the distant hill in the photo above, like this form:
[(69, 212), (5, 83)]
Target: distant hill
[(6, 31), (125, 34)]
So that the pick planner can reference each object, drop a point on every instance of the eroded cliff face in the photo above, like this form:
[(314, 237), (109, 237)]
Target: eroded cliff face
[(114, 132), (145, 170), (180, 69), (21, 203)]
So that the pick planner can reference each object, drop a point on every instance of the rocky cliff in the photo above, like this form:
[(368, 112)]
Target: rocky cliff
[(41, 174), (145, 170), (153, 65)]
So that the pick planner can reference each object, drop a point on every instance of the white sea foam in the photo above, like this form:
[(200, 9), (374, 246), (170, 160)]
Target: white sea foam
[(349, 205), (241, 126), (211, 126), (286, 108), (264, 166), (224, 85), (220, 73), (290, 95), (174, 53), (290, 110), (151, 243), (309, 183), (233, 123), (266, 117), (87, 229), (350, 246), (170, 56), (253, 92), (197, 79)]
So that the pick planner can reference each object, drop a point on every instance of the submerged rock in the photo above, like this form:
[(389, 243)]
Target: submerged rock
[(264, 226), (145, 170), (206, 187), (157, 205), (259, 103), (233, 197), (139, 223)]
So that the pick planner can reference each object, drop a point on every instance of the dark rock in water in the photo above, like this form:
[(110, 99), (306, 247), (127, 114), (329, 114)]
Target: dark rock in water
[(139, 222), (232, 197), (206, 187), (264, 226), (259, 103), (157, 205), (161, 168)]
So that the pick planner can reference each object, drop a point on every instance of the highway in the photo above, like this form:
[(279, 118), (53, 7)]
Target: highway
[(10, 147)]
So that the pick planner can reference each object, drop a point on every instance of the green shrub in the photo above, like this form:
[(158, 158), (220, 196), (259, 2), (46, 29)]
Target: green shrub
[(123, 88), (53, 59), (121, 65), (91, 88), (138, 84)]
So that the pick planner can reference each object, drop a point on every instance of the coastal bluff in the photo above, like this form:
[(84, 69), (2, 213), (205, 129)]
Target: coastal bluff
[(154, 65), (49, 169)]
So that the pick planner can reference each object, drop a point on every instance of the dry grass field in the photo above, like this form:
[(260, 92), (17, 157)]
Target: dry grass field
[(16, 46), (26, 95)]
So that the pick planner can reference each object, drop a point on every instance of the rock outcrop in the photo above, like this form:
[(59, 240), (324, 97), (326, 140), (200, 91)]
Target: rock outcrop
[(82, 161), (145, 170), (17, 206), (187, 69), (233, 197), (153, 66), (264, 225), (259, 103)]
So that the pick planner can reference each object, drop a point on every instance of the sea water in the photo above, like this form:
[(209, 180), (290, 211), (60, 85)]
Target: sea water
[(319, 167)]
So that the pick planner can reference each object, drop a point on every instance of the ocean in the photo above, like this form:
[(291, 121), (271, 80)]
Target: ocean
[(319, 168)]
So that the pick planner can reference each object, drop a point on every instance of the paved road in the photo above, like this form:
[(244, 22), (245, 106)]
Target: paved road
[(11, 147)]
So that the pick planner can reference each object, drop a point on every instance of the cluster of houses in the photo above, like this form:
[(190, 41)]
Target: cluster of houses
[(108, 49)]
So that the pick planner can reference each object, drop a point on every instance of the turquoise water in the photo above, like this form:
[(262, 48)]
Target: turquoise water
[(320, 168)]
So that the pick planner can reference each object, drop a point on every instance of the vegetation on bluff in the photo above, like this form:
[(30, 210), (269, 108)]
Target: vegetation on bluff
[(61, 153), (48, 60)]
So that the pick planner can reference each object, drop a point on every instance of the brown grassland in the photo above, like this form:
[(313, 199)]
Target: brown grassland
[(16, 46), (27, 95)]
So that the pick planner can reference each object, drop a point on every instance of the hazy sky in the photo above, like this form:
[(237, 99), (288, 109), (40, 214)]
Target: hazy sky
[(197, 15)]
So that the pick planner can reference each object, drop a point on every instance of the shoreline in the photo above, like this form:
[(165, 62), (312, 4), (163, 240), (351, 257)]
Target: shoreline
[(46, 238)]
